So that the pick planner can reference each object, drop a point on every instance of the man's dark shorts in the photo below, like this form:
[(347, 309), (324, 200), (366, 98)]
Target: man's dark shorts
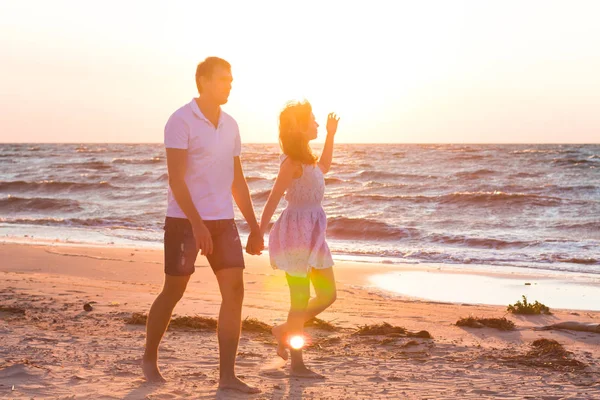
[(181, 251)]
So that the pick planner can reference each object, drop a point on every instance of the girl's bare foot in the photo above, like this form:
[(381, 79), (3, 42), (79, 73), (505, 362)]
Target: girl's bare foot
[(305, 373), (151, 372), (279, 334)]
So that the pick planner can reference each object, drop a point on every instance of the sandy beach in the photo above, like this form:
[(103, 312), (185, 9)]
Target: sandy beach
[(52, 348), (445, 156)]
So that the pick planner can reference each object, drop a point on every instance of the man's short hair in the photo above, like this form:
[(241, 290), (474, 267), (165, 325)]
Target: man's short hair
[(207, 67)]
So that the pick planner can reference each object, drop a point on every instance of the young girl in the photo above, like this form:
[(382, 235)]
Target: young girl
[(297, 240)]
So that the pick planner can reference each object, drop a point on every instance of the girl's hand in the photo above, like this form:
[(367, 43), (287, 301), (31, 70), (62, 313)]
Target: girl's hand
[(256, 243), (332, 123)]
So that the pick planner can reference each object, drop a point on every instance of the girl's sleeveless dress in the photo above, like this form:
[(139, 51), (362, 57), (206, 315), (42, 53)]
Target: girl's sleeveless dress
[(297, 239)]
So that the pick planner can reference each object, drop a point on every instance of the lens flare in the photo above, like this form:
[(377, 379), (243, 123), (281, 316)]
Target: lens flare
[(296, 342)]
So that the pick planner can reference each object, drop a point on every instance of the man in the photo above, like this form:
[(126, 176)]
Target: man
[(203, 160)]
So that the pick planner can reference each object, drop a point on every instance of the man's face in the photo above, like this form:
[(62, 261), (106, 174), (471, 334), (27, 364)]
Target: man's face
[(218, 85)]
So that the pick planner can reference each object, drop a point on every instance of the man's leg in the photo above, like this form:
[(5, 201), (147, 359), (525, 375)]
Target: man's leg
[(231, 284), (158, 321)]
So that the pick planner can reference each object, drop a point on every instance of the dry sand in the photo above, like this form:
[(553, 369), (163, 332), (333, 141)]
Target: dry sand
[(51, 348)]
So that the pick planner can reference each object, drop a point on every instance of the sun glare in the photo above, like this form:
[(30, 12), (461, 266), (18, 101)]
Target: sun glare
[(297, 342)]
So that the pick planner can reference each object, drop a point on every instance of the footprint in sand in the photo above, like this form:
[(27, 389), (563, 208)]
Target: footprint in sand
[(246, 364), (22, 372), (484, 392), (201, 375), (273, 369)]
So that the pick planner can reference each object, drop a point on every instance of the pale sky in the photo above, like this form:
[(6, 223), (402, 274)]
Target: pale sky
[(395, 71)]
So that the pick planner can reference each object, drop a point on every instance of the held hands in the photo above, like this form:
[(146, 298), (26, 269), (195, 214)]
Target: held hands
[(332, 123), (256, 243), (204, 242)]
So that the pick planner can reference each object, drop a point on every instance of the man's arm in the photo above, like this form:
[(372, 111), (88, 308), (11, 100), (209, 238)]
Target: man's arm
[(241, 195), (176, 166)]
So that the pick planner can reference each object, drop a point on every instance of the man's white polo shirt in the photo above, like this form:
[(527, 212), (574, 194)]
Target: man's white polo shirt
[(210, 153)]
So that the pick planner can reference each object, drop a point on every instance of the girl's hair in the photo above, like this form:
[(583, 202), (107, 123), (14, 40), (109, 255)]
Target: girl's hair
[(293, 122)]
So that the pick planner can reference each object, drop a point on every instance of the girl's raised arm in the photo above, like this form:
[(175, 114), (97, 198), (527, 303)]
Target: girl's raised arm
[(327, 154)]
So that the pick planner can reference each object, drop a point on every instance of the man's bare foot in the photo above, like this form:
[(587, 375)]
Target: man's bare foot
[(237, 384), (305, 373), (279, 334), (151, 372)]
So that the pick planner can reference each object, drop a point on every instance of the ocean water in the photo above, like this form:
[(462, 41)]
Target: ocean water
[(534, 206)]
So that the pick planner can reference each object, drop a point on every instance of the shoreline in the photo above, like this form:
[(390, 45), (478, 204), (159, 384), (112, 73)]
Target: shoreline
[(533, 268), (383, 277)]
